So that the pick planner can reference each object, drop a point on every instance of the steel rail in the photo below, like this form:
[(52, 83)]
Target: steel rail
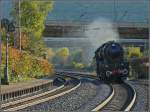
[(129, 101), (132, 101), (34, 100), (113, 104)]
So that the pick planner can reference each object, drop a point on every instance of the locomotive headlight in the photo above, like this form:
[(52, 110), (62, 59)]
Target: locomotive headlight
[(122, 64), (106, 66), (108, 73), (125, 71)]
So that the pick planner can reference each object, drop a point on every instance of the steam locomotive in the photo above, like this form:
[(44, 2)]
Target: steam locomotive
[(110, 62)]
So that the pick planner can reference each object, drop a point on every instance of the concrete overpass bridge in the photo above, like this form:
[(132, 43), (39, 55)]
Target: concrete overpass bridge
[(84, 42), (77, 29), (84, 23)]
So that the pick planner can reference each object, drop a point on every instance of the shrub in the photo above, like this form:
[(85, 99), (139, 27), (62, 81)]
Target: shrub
[(46, 67), (24, 41), (139, 68), (50, 54), (134, 52), (23, 66), (63, 53), (61, 57), (77, 56), (137, 60), (78, 65)]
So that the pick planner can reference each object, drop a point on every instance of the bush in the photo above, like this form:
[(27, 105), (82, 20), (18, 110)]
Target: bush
[(61, 57), (137, 60), (63, 53), (23, 66), (45, 66), (139, 68), (78, 65), (50, 54), (134, 52), (77, 56)]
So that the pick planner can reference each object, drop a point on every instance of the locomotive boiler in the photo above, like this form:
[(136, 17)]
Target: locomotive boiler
[(110, 62)]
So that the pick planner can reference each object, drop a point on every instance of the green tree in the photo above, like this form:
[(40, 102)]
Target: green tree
[(50, 54), (77, 56), (134, 52), (61, 56), (32, 17), (63, 52)]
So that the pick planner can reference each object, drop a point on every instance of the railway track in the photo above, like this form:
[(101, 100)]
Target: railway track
[(77, 100), (20, 104), (142, 89), (121, 98)]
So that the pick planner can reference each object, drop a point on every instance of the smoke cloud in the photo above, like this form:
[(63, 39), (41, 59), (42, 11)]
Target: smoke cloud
[(101, 31)]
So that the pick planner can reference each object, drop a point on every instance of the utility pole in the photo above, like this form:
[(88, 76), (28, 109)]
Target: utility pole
[(19, 20), (9, 27), (0, 35), (0, 53), (6, 77)]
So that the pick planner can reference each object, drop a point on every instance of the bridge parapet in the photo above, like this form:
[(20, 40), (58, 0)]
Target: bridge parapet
[(84, 42), (85, 23), (77, 29)]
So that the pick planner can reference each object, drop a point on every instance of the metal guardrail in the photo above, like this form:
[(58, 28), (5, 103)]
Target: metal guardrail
[(24, 92)]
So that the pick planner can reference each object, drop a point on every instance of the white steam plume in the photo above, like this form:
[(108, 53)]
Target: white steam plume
[(101, 31)]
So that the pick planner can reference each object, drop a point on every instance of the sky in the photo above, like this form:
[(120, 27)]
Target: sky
[(89, 10), (86, 10)]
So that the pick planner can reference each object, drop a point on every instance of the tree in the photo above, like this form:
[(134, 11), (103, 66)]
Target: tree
[(63, 52), (32, 16), (61, 56), (77, 56), (134, 52), (50, 54)]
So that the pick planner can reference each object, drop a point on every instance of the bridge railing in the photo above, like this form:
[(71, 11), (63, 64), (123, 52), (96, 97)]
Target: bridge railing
[(80, 23)]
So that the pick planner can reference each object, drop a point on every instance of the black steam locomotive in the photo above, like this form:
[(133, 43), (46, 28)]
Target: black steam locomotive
[(110, 62)]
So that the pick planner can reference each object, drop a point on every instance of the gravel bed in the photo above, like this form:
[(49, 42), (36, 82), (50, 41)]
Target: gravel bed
[(83, 99), (118, 100), (142, 90)]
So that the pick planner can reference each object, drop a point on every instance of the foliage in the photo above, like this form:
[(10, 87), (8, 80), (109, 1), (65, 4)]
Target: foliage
[(37, 47), (33, 14), (46, 67), (134, 52), (28, 63), (77, 56), (50, 54), (78, 65), (23, 65), (61, 57), (32, 17), (24, 41), (63, 53), (139, 68), (10, 38)]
